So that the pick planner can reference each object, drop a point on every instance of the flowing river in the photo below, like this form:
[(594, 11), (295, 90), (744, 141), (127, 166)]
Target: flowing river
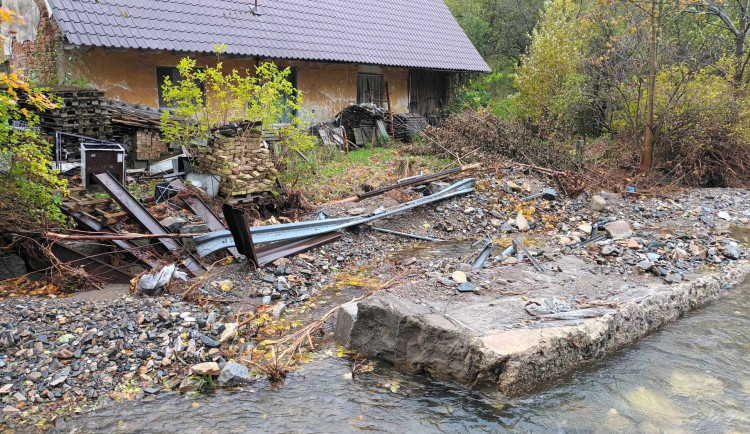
[(692, 375)]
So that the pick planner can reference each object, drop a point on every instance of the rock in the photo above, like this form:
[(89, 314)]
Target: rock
[(643, 266), (151, 390), (731, 251), (619, 230), (269, 278), (459, 277), (521, 223), (63, 354), (611, 250), (597, 203), (446, 282), (466, 287), (11, 266), (34, 376), (233, 374), (225, 285), (6, 388), (173, 224), (278, 310), (208, 341), (345, 318), (229, 332), (506, 228), (585, 228), (356, 211), (724, 216), (652, 257), (8, 409), (207, 368), (436, 187)]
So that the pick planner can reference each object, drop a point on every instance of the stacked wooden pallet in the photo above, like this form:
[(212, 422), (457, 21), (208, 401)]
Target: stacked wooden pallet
[(80, 111)]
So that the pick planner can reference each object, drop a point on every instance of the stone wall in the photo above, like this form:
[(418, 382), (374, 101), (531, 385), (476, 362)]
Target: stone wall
[(244, 164)]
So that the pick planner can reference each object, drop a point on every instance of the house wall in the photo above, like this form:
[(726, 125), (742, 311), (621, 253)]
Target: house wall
[(327, 88)]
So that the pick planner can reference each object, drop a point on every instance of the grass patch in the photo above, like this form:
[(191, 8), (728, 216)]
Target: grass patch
[(333, 175)]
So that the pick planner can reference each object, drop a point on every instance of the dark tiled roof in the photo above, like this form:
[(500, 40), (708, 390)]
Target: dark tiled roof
[(409, 33)]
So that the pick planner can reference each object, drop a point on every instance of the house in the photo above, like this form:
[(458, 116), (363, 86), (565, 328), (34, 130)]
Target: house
[(340, 51)]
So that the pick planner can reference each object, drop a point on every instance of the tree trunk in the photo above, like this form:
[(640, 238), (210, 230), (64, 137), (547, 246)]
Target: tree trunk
[(648, 143)]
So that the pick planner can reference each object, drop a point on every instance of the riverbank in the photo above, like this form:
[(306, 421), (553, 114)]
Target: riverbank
[(689, 376), (60, 357)]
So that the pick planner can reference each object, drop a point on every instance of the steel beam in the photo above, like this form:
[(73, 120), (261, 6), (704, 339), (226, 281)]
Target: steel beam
[(141, 215), (95, 268)]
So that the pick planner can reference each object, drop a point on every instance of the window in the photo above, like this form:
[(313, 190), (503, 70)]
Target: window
[(286, 117), (370, 88), (175, 77)]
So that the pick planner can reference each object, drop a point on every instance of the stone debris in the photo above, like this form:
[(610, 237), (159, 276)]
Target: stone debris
[(233, 374), (597, 203)]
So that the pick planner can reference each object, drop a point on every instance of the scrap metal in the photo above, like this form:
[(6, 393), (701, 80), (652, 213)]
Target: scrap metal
[(85, 222), (205, 213), (522, 250), (209, 243), (135, 210), (94, 267), (416, 181), (478, 263), (238, 227)]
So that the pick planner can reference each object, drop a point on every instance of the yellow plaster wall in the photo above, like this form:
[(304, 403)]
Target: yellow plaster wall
[(130, 76)]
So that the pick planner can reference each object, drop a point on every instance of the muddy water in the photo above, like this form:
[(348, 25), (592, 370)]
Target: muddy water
[(693, 375)]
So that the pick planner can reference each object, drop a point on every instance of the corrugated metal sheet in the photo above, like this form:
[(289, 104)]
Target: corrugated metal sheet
[(407, 33)]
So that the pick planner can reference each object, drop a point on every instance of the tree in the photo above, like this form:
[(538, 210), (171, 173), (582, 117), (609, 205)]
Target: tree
[(209, 97), (30, 189)]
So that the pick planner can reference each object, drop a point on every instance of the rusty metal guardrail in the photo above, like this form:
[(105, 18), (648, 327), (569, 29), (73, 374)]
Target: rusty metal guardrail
[(207, 244)]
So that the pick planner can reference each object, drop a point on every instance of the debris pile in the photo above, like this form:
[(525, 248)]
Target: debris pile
[(364, 123), (406, 126), (243, 163)]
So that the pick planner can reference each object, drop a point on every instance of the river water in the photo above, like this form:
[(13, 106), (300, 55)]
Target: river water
[(692, 375)]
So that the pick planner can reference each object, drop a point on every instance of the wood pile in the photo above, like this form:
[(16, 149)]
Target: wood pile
[(126, 115), (149, 145), (360, 121), (81, 111), (243, 163)]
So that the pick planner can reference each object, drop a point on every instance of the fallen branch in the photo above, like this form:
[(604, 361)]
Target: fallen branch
[(109, 236)]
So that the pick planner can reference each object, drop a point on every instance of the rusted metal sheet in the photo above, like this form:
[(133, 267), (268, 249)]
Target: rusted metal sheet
[(204, 212), (268, 254), (135, 210), (238, 227), (96, 268), (87, 223), (262, 256)]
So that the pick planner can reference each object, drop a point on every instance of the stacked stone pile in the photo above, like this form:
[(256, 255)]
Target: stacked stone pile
[(243, 163)]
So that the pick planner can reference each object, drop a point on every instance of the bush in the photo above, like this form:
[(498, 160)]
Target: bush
[(30, 190), (476, 135)]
